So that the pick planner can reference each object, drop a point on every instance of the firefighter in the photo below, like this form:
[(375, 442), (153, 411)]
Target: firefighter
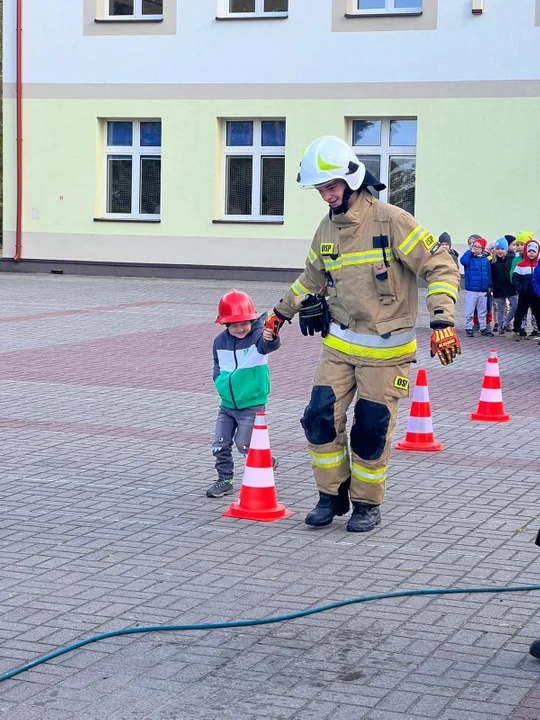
[(359, 289)]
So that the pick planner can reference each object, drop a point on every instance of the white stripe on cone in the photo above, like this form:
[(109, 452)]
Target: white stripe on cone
[(258, 477), (491, 395), (492, 369), (421, 393), (420, 425), (260, 440), (260, 419)]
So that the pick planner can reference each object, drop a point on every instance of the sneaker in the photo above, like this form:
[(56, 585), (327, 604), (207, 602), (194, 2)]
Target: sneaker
[(220, 488), (486, 333), (469, 333), (523, 333), (534, 333), (495, 327), (502, 331), (476, 328)]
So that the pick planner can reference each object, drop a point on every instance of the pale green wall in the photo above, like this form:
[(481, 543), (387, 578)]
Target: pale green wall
[(478, 170)]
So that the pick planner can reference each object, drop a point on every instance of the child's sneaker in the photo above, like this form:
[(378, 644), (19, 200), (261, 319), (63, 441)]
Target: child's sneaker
[(495, 327), (534, 333), (502, 330), (486, 333), (522, 333), (220, 488), (469, 333), (476, 328)]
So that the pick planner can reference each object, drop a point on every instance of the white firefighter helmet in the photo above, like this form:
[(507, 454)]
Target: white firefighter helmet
[(329, 158)]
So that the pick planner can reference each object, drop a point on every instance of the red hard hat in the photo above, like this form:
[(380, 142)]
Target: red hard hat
[(235, 306)]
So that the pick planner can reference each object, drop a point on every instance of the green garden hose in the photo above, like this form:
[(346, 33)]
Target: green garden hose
[(261, 621)]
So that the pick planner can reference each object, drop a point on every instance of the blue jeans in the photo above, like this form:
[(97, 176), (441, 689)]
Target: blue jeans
[(232, 425)]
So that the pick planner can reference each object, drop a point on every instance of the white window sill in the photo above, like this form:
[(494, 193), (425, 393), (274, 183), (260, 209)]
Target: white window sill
[(124, 19), (250, 221), (127, 219), (378, 13), (253, 16)]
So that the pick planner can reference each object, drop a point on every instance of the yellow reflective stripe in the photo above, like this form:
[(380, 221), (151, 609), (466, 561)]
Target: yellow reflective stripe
[(412, 240), (347, 259), (328, 460), (312, 255), (299, 289), (366, 475), (442, 287), (370, 352)]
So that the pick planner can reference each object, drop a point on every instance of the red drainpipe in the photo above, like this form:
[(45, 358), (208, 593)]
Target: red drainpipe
[(18, 229)]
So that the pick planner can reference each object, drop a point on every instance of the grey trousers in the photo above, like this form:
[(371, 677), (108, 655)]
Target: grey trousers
[(476, 300), (232, 425), (501, 309)]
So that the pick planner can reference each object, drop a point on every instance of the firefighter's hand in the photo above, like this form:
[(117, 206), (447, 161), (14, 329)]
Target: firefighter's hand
[(274, 321), (445, 344), (314, 316)]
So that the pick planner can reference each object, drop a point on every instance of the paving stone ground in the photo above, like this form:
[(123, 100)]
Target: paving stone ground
[(106, 417)]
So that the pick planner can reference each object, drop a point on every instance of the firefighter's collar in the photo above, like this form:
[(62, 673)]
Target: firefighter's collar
[(356, 214)]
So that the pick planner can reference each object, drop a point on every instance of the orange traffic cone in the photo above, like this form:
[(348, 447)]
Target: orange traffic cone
[(258, 499), (419, 435), (490, 408)]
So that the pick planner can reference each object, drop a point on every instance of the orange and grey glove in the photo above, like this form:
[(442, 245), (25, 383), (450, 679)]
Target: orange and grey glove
[(274, 321), (445, 344)]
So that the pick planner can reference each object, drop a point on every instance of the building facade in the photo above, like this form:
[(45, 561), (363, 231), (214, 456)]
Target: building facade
[(169, 132)]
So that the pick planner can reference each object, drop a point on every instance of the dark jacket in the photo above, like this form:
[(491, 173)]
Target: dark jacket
[(523, 272), (500, 274), (477, 272), (241, 374)]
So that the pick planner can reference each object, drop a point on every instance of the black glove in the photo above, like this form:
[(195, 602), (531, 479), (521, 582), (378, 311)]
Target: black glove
[(314, 316)]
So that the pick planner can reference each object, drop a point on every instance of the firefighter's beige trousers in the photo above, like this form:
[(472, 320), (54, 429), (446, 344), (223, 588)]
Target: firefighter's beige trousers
[(338, 379)]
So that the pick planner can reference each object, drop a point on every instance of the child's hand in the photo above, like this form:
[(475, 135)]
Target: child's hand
[(267, 335)]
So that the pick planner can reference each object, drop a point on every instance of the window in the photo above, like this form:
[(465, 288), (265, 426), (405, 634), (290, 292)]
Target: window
[(133, 169), (388, 6), (252, 8), (254, 170), (135, 9), (387, 147)]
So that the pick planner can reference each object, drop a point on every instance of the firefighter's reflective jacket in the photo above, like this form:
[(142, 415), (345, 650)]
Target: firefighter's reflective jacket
[(368, 259)]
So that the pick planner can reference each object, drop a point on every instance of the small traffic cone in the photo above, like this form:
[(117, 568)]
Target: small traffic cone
[(419, 435), (258, 499), (490, 408)]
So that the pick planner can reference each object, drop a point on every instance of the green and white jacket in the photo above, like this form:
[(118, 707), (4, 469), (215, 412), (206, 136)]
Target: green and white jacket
[(241, 373)]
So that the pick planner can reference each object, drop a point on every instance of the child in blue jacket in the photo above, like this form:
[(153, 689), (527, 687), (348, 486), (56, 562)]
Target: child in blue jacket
[(477, 285)]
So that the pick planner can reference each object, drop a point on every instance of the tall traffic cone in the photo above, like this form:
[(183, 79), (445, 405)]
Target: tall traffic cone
[(419, 436), (490, 408), (258, 499)]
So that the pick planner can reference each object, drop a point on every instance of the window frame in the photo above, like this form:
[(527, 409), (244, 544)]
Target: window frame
[(256, 152), (389, 9), (137, 14), (133, 151), (385, 150), (259, 12)]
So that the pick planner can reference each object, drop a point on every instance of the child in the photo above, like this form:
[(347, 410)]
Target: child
[(476, 325), (536, 288), (445, 241), (477, 283), (242, 379), (522, 282), (503, 289), (517, 246)]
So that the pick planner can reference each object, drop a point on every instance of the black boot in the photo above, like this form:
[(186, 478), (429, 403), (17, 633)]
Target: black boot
[(364, 517), (535, 649), (343, 505), (324, 511)]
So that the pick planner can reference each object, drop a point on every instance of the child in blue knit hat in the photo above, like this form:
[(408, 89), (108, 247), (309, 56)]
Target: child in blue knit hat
[(504, 294)]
